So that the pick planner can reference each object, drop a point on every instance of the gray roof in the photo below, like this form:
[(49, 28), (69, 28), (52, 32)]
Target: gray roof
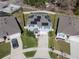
[(69, 25), (8, 26), (2, 4), (9, 8)]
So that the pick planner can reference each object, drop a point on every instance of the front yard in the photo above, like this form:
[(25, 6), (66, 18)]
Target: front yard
[(30, 54), (62, 46), (56, 56), (51, 39), (5, 49), (58, 44), (28, 39), (53, 55)]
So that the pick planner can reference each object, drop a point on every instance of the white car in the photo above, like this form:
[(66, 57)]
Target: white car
[(62, 36)]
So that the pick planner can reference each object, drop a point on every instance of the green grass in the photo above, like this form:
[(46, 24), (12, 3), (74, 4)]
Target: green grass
[(60, 57), (30, 54), (59, 45), (28, 39), (56, 56), (4, 49), (51, 39), (62, 46), (54, 21), (52, 55)]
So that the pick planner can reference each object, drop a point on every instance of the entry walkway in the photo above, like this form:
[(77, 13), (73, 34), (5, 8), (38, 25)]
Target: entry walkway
[(17, 53), (42, 50)]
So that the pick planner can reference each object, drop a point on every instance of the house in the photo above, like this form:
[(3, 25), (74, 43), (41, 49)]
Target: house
[(14, 10), (9, 28), (10, 8), (39, 20)]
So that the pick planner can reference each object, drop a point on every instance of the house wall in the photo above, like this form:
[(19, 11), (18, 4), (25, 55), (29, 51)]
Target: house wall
[(16, 35), (74, 47)]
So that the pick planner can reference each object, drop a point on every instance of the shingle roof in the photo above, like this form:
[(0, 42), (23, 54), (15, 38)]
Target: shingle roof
[(69, 25), (8, 26), (9, 8)]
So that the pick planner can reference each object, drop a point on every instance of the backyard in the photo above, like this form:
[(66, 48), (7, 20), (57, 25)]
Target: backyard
[(5, 49), (28, 39)]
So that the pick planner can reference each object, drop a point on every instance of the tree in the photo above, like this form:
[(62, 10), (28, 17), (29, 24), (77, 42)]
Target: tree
[(77, 8), (77, 4), (36, 3)]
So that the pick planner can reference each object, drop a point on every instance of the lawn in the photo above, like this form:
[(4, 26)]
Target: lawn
[(28, 39), (51, 39), (60, 57), (5, 49), (52, 55), (56, 56), (59, 45), (54, 20), (62, 46), (30, 54)]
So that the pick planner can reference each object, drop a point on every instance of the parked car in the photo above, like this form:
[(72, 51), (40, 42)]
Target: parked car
[(61, 36), (15, 43)]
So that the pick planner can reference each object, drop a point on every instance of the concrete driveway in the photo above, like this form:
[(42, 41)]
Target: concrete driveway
[(42, 51), (17, 52)]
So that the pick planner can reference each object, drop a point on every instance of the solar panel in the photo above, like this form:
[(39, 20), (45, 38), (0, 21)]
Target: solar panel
[(44, 24), (33, 22), (38, 17)]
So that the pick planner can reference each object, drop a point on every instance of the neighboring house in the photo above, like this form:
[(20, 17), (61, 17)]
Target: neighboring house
[(67, 39), (14, 10), (9, 28)]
